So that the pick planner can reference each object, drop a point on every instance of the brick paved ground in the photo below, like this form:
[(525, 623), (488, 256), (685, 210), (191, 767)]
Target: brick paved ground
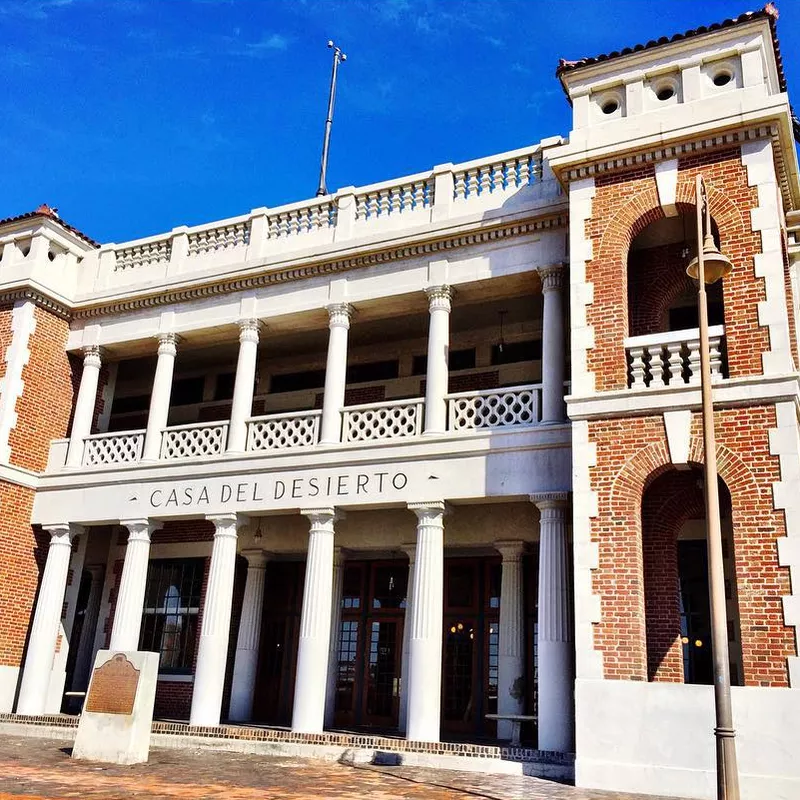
[(41, 768)]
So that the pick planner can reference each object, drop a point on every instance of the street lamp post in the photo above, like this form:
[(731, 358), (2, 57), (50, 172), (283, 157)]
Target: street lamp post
[(708, 267)]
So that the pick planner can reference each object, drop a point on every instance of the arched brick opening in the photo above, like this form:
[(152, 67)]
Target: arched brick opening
[(625, 204), (675, 578), (622, 632), (660, 293)]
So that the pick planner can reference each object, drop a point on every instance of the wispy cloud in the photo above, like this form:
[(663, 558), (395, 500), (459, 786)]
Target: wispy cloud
[(268, 43)]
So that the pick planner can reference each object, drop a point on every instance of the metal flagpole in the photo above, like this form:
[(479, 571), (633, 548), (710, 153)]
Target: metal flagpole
[(338, 56)]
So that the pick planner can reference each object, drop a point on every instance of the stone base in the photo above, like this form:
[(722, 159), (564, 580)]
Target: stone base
[(9, 677), (116, 720)]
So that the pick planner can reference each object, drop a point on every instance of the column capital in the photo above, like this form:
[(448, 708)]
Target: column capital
[(430, 512), (63, 532), (92, 355), (140, 529), (550, 500), (552, 277), (510, 550), (322, 519), (224, 524), (168, 343), (249, 330), (339, 315), (439, 297), (256, 557)]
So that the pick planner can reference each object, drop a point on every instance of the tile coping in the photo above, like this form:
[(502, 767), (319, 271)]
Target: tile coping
[(357, 740)]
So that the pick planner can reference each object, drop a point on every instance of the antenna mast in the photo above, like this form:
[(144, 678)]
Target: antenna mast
[(338, 56)]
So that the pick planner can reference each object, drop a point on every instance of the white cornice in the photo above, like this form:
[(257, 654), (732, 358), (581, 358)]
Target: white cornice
[(19, 476)]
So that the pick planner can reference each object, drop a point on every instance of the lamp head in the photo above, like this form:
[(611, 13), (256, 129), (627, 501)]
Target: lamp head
[(715, 264)]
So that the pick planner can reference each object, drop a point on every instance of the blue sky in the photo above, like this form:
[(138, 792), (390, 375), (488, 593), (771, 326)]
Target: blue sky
[(133, 116)]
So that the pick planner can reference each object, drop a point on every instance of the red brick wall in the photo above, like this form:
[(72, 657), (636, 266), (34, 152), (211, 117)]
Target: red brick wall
[(45, 407), (24, 550), (624, 204), (632, 452)]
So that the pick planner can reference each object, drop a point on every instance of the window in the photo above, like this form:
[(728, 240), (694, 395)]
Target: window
[(512, 352), (223, 389), (457, 360), (171, 607), (373, 371), (187, 391), (298, 381)]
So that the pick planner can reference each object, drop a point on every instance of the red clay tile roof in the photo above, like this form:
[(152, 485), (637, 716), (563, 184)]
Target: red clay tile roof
[(769, 12), (45, 211)]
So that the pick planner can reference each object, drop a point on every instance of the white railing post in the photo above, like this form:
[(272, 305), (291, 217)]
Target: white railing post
[(715, 349), (672, 363), (179, 250), (85, 404), (656, 367), (693, 357), (244, 385), (443, 191), (345, 200), (159, 399), (638, 366), (259, 233)]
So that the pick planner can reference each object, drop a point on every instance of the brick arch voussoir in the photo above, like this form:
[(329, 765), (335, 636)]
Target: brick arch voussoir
[(653, 460), (730, 219)]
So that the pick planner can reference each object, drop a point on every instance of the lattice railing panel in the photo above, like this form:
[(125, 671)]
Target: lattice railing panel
[(113, 448), (498, 408), (283, 431), (192, 441), (383, 420), (218, 240)]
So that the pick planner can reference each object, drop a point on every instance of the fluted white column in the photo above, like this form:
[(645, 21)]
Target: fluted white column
[(245, 662), (511, 644), (436, 377), (554, 646), (313, 649), (335, 372), (212, 653), (336, 619), (244, 386), (130, 598), (159, 399), (425, 642), (402, 716), (84, 405), (553, 344), (46, 620)]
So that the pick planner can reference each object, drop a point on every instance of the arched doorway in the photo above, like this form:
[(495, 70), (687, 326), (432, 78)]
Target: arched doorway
[(675, 566)]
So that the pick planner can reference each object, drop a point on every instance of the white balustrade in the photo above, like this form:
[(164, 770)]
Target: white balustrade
[(508, 172), (144, 254), (392, 420), (299, 219), (221, 238), (493, 408), (190, 441), (668, 359), (386, 199), (283, 431), (113, 448)]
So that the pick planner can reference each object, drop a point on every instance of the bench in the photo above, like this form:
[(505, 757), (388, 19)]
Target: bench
[(516, 721)]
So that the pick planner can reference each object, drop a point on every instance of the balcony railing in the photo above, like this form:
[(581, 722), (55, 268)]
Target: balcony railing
[(432, 196), (493, 408), (668, 359), (391, 420), (283, 431), (194, 441), (395, 419), (113, 448)]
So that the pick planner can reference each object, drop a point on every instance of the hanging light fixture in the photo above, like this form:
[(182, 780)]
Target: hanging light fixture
[(502, 343)]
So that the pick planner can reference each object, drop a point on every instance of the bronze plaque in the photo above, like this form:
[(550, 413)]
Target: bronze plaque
[(113, 687)]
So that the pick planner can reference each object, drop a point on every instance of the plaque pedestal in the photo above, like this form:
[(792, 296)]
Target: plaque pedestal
[(118, 712)]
